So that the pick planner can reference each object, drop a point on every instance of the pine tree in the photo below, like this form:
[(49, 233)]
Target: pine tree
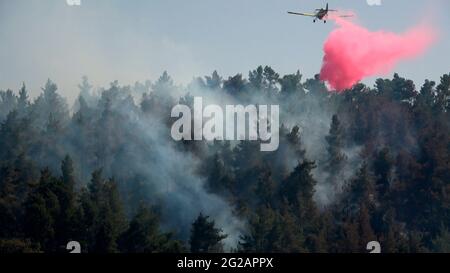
[(214, 81), (8, 102), (317, 87), (256, 78), (336, 157), (366, 233), (13, 136), (68, 173), (391, 234), (291, 85), (96, 186), (22, 101), (102, 215), (144, 236), (291, 238), (9, 202), (443, 94), (263, 231), (383, 166), (205, 237), (427, 96), (42, 208), (235, 85), (294, 139), (298, 188), (218, 179), (85, 89), (352, 240), (336, 160), (49, 104), (362, 189), (322, 239), (266, 188), (272, 79), (159, 102), (441, 243), (66, 222)]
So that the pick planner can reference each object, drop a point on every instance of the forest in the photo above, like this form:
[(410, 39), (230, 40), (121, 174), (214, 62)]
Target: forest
[(367, 164)]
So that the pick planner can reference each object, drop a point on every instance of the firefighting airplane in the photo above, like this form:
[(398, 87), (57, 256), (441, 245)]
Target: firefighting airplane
[(320, 14)]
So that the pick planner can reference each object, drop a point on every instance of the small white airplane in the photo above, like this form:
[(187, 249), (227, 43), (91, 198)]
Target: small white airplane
[(320, 14)]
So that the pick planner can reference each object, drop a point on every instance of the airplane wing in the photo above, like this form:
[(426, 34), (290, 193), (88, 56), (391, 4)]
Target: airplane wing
[(302, 14)]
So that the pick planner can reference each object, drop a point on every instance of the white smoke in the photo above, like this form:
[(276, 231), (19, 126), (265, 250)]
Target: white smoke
[(374, 2)]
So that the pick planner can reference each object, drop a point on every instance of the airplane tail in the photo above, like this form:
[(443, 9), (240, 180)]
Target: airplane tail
[(327, 9)]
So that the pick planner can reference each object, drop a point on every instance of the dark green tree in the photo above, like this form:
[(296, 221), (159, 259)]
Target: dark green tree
[(214, 81), (144, 236), (205, 237)]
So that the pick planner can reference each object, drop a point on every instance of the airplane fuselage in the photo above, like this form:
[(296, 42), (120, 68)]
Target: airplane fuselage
[(321, 14)]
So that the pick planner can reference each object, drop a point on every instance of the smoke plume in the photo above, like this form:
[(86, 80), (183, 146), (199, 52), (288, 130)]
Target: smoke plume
[(353, 52)]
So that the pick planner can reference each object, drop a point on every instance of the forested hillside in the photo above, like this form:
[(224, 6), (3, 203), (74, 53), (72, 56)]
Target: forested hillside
[(370, 163)]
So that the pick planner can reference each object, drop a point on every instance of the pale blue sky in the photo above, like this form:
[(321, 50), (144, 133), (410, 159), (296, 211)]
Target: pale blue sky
[(135, 40)]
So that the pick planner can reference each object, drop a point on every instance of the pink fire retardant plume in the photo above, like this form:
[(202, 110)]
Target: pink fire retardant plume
[(353, 52)]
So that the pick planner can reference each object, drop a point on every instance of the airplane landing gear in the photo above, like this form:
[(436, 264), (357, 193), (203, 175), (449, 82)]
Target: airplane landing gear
[(325, 21), (314, 20)]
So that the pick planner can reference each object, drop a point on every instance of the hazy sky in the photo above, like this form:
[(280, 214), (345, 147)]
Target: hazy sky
[(135, 40)]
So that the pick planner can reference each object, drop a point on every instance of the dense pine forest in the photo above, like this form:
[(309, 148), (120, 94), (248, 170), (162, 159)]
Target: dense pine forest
[(370, 163)]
